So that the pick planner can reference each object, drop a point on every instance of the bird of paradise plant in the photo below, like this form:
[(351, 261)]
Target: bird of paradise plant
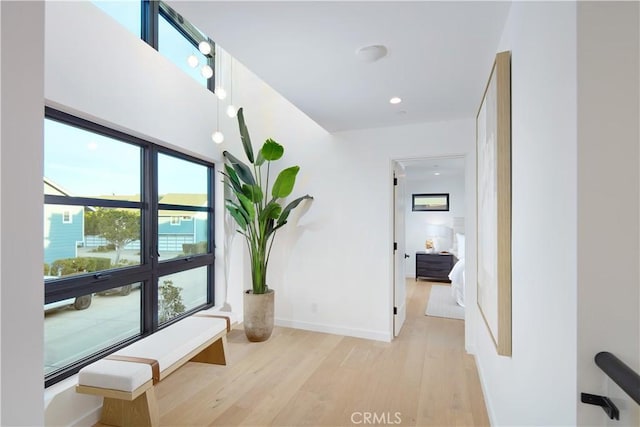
[(257, 215)]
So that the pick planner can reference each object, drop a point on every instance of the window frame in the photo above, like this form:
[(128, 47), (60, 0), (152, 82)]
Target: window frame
[(151, 12), (150, 268)]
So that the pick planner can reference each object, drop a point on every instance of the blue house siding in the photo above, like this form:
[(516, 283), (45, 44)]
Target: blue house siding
[(165, 226), (61, 238), (201, 230)]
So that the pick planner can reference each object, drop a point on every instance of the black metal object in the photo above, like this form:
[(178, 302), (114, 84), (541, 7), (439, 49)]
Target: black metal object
[(620, 373), (607, 405)]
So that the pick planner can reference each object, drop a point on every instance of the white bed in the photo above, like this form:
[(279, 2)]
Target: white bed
[(457, 272)]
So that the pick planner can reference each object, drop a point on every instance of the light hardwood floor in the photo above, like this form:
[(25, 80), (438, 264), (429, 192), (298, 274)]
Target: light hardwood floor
[(300, 378)]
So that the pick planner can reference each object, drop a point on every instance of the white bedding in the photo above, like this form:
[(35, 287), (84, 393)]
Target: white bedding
[(457, 282), (457, 272)]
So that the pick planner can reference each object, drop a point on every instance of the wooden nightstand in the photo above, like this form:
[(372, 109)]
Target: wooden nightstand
[(434, 266)]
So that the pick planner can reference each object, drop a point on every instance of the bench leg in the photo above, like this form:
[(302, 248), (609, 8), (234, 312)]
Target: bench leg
[(141, 412), (214, 354)]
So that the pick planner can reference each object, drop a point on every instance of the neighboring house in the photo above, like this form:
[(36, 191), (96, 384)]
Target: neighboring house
[(176, 227), (63, 227)]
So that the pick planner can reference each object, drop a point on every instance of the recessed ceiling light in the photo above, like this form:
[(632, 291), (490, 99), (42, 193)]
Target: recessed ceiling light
[(395, 100), (436, 173)]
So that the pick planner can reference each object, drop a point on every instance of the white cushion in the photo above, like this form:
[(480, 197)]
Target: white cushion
[(167, 346), (460, 242)]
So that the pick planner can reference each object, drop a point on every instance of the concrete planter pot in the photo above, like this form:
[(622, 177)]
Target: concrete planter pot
[(258, 315)]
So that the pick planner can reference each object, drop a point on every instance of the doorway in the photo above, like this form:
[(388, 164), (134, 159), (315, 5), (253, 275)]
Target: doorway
[(413, 228)]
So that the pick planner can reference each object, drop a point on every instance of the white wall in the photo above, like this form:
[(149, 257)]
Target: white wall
[(537, 385), (21, 335), (96, 69), (326, 264), (608, 192), (416, 222), (0, 212), (349, 259), (339, 252)]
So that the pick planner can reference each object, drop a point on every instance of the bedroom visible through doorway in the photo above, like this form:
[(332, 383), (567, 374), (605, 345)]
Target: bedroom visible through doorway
[(435, 234)]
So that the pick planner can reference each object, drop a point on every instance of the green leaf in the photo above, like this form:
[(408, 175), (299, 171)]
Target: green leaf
[(253, 192), (271, 211), (282, 220), (269, 228), (243, 171), (232, 177), (260, 159), (244, 135), (271, 150), (276, 228), (239, 208), (247, 205), (285, 182), (235, 213)]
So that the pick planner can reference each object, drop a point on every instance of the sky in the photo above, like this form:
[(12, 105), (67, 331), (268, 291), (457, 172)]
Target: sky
[(87, 164)]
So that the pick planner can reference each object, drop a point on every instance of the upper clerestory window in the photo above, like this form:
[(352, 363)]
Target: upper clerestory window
[(169, 33)]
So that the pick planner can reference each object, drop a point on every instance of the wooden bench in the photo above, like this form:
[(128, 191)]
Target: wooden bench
[(127, 377)]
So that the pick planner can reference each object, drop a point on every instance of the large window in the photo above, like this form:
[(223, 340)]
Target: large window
[(128, 238), (169, 33)]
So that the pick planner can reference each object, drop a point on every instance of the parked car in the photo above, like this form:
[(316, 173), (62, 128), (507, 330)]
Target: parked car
[(120, 290), (79, 303)]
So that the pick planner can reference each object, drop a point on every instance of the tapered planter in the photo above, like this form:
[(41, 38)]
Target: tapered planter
[(258, 315)]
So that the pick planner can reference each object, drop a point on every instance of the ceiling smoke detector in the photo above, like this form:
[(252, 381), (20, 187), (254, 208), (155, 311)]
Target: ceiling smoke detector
[(371, 53)]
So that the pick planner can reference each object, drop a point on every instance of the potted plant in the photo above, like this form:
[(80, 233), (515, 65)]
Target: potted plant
[(257, 209)]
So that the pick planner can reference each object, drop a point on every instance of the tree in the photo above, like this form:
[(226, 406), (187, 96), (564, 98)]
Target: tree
[(117, 226), (169, 301)]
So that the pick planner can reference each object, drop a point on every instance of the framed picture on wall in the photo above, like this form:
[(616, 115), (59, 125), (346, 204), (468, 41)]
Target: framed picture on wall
[(430, 202), (493, 191)]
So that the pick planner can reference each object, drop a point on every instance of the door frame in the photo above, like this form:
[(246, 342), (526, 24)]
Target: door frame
[(470, 230)]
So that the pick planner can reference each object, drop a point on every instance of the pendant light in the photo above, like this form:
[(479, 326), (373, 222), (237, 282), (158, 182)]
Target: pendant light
[(231, 109), (217, 136), (205, 71), (192, 60)]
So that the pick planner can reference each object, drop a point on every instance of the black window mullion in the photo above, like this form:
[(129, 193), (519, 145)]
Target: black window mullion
[(92, 283), (181, 264), (151, 198), (211, 236), (54, 199), (150, 269), (190, 208), (149, 16)]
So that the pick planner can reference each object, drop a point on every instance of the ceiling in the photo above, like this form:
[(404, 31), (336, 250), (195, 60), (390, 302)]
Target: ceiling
[(444, 167), (439, 55)]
